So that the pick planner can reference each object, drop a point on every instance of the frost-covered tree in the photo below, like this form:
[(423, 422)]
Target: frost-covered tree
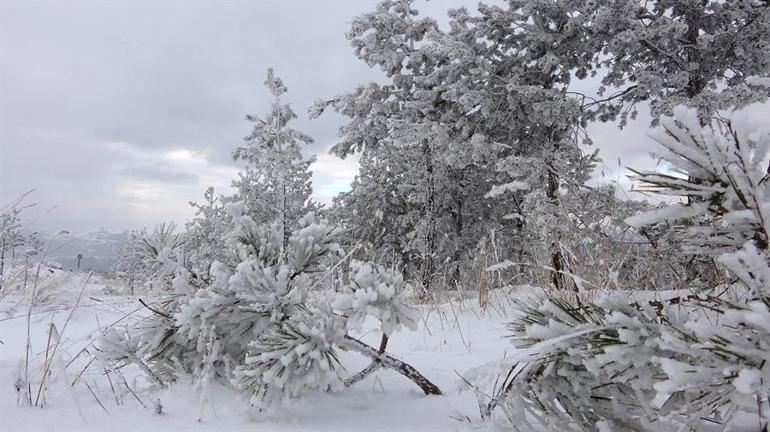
[(514, 66), (706, 54), (677, 362), (206, 234), (523, 55), (373, 212), (130, 261), (379, 115), (276, 183), (19, 249), (11, 239), (411, 134), (150, 258), (256, 324), (510, 75)]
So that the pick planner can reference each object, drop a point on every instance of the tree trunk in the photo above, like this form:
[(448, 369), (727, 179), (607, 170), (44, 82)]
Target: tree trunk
[(694, 77), (457, 219), (284, 228), (692, 52), (430, 210), (557, 259)]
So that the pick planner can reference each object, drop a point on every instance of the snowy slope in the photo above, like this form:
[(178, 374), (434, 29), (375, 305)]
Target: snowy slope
[(452, 339)]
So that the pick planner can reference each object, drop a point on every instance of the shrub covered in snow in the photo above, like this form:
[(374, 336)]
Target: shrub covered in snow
[(254, 326), (375, 291), (149, 258)]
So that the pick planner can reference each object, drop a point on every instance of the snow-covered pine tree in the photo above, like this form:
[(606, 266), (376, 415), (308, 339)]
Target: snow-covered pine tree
[(273, 342), (130, 264), (437, 169), (507, 75), (19, 249), (704, 54), (375, 213), (205, 235), (255, 323), (276, 184), (386, 38), (254, 299), (11, 239), (150, 258), (512, 67)]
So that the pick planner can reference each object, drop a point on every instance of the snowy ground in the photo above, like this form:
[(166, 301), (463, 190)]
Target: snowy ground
[(452, 339)]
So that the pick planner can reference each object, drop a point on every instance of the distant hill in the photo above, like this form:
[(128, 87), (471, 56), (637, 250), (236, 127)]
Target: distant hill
[(99, 249)]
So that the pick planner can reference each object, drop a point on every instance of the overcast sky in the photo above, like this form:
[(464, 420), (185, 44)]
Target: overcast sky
[(120, 113)]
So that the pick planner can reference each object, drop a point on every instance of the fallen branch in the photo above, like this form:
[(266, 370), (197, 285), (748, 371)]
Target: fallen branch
[(386, 361), (154, 310), (374, 366)]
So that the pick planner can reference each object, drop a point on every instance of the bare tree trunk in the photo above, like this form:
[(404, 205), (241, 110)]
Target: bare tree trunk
[(430, 205), (457, 219), (284, 228), (557, 259), (692, 52), (131, 268), (694, 77)]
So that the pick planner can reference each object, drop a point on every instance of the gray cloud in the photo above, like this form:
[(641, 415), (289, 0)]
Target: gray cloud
[(97, 97), (122, 112), (159, 174)]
